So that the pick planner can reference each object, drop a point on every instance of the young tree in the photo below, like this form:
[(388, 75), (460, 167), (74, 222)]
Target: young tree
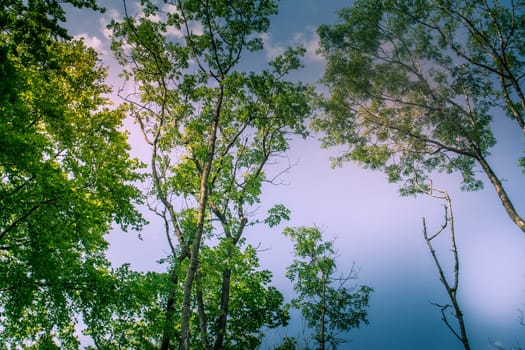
[(415, 85), (327, 304), (212, 128), (252, 302), (65, 176)]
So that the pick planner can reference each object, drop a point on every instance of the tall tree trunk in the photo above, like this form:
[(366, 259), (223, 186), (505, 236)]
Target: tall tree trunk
[(200, 307), (201, 217), (232, 241)]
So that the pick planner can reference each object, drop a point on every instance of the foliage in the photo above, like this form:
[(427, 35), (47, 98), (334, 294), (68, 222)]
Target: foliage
[(129, 312), (325, 302), (288, 344), (35, 25), (254, 304), (65, 176), (415, 86), (212, 128)]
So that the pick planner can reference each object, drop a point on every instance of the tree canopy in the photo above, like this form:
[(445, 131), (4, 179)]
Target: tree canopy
[(66, 176), (328, 304), (415, 87), (212, 128)]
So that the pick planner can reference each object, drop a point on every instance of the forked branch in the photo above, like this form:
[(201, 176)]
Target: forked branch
[(450, 286)]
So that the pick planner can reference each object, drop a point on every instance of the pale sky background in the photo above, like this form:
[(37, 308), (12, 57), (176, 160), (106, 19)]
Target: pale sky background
[(372, 224)]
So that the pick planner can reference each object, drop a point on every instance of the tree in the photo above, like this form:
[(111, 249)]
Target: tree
[(212, 128), (415, 86), (451, 286), (66, 176), (325, 302), (129, 313), (252, 302)]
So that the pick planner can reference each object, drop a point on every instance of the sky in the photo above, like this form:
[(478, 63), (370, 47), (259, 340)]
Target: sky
[(372, 225)]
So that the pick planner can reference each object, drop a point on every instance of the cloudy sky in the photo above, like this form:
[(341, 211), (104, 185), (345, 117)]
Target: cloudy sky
[(374, 227)]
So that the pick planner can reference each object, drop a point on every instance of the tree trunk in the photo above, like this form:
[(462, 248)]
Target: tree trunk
[(195, 247), (323, 313), (502, 194), (167, 333), (202, 314), (451, 288), (223, 316)]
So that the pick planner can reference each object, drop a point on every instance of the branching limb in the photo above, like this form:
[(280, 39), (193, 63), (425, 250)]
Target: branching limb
[(451, 287)]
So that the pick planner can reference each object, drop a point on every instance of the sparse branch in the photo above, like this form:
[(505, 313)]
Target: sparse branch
[(451, 287), (497, 55), (443, 309), (189, 38)]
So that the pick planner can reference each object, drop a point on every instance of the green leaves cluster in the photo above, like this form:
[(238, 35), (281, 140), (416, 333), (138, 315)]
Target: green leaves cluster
[(65, 176), (253, 302)]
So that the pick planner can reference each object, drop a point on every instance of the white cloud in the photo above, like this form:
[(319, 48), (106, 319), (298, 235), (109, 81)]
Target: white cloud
[(92, 41), (310, 41), (114, 14), (196, 28), (110, 15), (172, 31), (171, 8), (271, 50)]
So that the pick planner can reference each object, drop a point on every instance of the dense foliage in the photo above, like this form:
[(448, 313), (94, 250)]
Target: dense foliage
[(65, 176)]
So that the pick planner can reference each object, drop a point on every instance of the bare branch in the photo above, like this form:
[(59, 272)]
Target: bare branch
[(451, 287)]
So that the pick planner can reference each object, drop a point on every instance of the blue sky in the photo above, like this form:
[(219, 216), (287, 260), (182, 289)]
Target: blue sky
[(372, 224)]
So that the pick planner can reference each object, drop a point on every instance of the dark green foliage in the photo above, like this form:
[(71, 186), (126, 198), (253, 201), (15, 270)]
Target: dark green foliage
[(288, 344)]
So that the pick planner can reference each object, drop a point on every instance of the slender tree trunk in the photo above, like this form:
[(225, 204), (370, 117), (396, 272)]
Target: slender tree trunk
[(502, 194), (232, 241), (519, 117), (450, 287), (200, 307), (323, 314), (201, 217)]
